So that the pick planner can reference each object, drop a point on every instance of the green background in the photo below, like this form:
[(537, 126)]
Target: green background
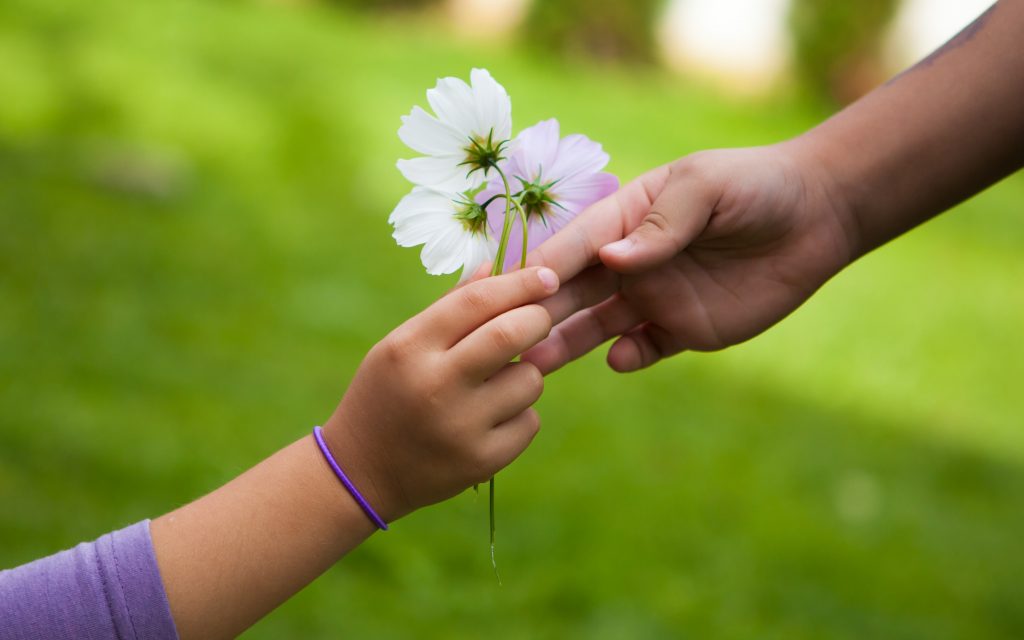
[(194, 257)]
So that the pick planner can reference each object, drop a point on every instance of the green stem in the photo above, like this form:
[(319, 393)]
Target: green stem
[(522, 218), (494, 563), (499, 264), (506, 229)]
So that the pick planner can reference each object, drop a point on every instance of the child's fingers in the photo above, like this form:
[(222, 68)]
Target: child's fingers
[(480, 354), (457, 314), (506, 441), (512, 390)]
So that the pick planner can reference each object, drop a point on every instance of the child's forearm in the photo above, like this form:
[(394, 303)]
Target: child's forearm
[(934, 135), (232, 556), (434, 408)]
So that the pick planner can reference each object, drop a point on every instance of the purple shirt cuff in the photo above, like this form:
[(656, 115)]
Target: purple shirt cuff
[(110, 588)]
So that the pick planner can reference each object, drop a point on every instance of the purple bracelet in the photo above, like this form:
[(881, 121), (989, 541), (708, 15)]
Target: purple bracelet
[(377, 520)]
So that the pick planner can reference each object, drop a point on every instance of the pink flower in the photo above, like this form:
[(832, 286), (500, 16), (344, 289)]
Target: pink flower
[(558, 178)]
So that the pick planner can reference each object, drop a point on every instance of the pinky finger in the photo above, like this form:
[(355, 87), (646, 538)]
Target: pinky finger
[(510, 438)]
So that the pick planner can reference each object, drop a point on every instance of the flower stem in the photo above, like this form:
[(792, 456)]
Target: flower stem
[(506, 229), (494, 563), (499, 265), (522, 218)]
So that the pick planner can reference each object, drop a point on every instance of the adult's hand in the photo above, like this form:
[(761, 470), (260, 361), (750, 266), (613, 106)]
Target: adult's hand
[(718, 246), (699, 254)]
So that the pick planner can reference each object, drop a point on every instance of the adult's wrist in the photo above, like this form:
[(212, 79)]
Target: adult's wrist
[(831, 201)]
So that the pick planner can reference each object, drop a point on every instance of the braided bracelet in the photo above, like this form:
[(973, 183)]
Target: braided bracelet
[(377, 520)]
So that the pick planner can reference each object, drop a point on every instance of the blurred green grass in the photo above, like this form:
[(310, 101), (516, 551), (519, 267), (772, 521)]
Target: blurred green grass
[(194, 257)]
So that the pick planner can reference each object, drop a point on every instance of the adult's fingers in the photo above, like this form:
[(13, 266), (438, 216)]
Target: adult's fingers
[(581, 333), (680, 212), (576, 246), (489, 348), (461, 311), (590, 287), (641, 347)]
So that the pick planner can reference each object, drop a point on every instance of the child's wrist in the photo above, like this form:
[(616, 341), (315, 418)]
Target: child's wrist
[(353, 456)]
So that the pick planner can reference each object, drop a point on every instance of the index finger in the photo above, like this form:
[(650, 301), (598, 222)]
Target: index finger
[(575, 247), (463, 310)]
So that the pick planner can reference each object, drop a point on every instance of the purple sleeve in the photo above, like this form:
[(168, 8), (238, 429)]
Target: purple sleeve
[(110, 588)]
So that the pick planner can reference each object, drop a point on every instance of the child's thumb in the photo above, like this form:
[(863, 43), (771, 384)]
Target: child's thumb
[(679, 214)]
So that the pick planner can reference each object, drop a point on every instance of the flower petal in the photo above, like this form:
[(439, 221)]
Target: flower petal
[(534, 151), (479, 250), (577, 154), (555, 221), (491, 189), (441, 172), (495, 210), (424, 133), (443, 255), (582, 190), (493, 106), (418, 200), (421, 230), (452, 101)]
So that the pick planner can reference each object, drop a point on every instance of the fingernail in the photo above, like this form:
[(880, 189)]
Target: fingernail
[(548, 278), (621, 247)]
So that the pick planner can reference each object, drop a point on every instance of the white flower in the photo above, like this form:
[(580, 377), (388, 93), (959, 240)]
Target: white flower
[(464, 139), (451, 228)]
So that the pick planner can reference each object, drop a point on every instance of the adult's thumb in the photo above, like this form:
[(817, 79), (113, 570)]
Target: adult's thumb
[(679, 214)]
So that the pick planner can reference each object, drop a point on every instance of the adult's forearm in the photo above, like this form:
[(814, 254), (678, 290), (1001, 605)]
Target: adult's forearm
[(933, 136), (232, 556)]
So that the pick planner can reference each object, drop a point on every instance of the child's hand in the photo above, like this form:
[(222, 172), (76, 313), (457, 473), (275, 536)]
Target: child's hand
[(437, 406)]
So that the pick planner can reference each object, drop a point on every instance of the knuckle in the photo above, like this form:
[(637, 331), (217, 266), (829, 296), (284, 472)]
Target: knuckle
[(397, 346), (430, 389), (476, 299), (506, 335), (577, 294), (691, 165), (542, 256), (604, 323), (656, 222), (681, 166), (422, 388), (529, 284), (585, 243)]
